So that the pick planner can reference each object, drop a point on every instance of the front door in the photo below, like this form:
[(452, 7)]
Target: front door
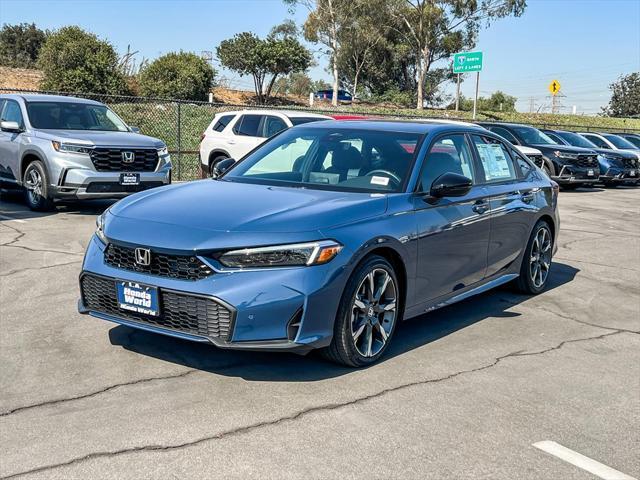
[(453, 232), (10, 142)]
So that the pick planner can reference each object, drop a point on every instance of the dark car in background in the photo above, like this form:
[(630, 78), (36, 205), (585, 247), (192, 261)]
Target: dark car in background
[(616, 166), (571, 167), (633, 138), (369, 223), (343, 95)]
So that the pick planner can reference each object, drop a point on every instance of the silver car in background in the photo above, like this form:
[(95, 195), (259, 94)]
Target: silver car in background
[(59, 147)]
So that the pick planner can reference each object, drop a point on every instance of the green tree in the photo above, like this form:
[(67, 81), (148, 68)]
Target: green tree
[(435, 29), (497, 102), (74, 60), (625, 97), (265, 60), (180, 75), (20, 45)]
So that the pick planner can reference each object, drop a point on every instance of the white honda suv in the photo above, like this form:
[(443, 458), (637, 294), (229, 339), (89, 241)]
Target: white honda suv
[(234, 134)]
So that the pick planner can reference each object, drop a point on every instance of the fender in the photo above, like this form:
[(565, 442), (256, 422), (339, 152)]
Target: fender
[(32, 151)]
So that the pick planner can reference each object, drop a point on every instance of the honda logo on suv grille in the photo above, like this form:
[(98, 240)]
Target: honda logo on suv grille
[(128, 157), (143, 256)]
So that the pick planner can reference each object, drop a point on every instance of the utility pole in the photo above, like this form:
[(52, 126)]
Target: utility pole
[(532, 104), (475, 100), (458, 94)]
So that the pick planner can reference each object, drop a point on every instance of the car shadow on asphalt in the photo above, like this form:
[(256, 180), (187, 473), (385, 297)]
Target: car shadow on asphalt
[(13, 207), (287, 367)]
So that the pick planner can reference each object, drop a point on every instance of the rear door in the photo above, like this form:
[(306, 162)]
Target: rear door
[(453, 232), (512, 197), (246, 134)]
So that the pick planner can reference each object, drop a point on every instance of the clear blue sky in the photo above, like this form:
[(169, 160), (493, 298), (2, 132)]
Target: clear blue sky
[(584, 44)]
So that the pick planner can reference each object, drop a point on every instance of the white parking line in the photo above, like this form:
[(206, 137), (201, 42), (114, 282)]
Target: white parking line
[(11, 219), (580, 461)]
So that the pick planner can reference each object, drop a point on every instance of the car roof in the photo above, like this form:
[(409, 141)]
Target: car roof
[(503, 124), (37, 97), (406, 126), (288, 113)]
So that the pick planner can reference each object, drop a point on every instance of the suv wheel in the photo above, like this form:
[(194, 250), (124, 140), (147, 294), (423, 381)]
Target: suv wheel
[(36, 184), (367, 315), (536, 262)]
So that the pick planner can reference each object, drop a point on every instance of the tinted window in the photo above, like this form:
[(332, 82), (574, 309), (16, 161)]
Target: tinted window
[(525, 165), (449, 154), (506, 134), (222, 123), (272, 125), (576, 140), (248, 125), (597, 140), (533, 136), (634, 140), (619, 141), (333, 159), (11, 112), (554, 137), (301, 120), (74, 116), (495, 159)]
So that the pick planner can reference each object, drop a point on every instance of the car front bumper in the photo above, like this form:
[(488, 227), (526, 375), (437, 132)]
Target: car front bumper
[(290, 309), (620, 176), (570, 174)]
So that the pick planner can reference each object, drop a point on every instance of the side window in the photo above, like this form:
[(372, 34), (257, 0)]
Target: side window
[(11, 112), (222, 123), (506, 134), (597, 140), (272, 125), (525, 165), (248, 125), (495, 159), (450, 153)]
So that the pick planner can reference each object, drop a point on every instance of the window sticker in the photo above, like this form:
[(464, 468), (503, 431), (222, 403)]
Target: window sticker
[(494, 161), (384, 181)]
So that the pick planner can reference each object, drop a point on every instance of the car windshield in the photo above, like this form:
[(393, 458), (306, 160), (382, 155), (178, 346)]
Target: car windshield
[(301, 120), (73, 116), (634, 140), (577, 140), (619, 141), (338, 159), (533, 136)]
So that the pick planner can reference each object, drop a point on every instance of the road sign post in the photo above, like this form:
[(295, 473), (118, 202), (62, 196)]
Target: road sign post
[(554, 88), (464, 63)]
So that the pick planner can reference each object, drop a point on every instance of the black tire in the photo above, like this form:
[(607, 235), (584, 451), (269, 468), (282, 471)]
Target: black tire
[(214, 161), (548, 169), (345, 345), (36, 192), (525, 283)]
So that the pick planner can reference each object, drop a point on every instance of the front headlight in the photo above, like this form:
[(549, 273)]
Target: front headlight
[(565, 155), (71, 148), (299, 254), (100, 228), (162, 151)]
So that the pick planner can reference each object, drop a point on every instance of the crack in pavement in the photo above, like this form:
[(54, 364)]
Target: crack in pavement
[(299, 414), (12, 272), (11, 243)]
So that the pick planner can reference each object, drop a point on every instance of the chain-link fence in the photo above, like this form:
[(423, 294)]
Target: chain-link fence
[(180, 123)]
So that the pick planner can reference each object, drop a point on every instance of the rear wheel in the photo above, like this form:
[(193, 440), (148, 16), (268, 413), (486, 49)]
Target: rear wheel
[(536, 261), (36, 184), (367, 315)]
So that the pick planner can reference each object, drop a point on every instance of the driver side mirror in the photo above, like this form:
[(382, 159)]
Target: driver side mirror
[(6, 126), (450, 185), (134, 129), (222, 166)]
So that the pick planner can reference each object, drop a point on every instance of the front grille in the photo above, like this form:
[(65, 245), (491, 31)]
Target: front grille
[(111, 160), (112, 187), (537, 160), (586, 161), (182, 267), (630, 163), (178, 311)]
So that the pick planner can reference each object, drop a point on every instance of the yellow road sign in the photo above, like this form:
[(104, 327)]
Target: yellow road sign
[(554, 87)]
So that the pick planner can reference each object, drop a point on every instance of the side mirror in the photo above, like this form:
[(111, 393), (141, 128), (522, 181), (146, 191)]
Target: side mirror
[(134, 129), (450, 185), (10, 127), (222, 166)]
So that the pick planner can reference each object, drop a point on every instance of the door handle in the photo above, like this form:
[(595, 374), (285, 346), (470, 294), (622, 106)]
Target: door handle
[(481, 207), (231, 142)]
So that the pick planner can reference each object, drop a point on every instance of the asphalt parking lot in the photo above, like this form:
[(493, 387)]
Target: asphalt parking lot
[(464, 392)]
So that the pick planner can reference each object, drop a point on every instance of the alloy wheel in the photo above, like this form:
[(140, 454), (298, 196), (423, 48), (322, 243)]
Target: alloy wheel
[(33, 184), (373, 312), (540, 261)]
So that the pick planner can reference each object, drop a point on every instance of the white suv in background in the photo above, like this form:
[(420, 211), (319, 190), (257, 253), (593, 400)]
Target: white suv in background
[(234, 134)]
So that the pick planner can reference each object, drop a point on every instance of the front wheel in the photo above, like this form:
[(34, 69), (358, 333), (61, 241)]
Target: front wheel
[(36, 184), (367, 316), (536, 261)]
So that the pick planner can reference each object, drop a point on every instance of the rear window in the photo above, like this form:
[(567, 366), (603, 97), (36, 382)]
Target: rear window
[(222, 123)]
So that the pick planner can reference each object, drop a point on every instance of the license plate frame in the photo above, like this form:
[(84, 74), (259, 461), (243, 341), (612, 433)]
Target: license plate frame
[(129, 179), (138, 297), (591, 173)]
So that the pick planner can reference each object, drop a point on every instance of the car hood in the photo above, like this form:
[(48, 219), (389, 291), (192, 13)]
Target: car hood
[(527, 150), (614, 153), (213, 214), (562, 148), (96, 138)]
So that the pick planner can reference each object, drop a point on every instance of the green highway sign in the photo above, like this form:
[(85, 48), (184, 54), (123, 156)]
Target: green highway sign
[(467, 62)]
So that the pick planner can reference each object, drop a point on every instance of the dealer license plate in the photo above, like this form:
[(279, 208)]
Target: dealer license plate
[(138, 298), (129, 178)]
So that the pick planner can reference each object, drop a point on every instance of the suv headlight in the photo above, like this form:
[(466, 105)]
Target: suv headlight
[(71, 148), (100, 228), (299, 254), (162, 151), (566, 156)]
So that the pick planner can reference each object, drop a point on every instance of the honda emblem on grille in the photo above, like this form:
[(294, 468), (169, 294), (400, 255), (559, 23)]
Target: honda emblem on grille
[(143, 256), (128, 157)]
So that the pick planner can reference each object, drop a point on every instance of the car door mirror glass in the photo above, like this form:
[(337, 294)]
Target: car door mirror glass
[(450, 185), (222, 166), (8, 126)]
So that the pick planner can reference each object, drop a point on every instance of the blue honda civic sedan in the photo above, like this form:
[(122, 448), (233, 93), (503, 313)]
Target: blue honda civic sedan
[(325, 237)]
